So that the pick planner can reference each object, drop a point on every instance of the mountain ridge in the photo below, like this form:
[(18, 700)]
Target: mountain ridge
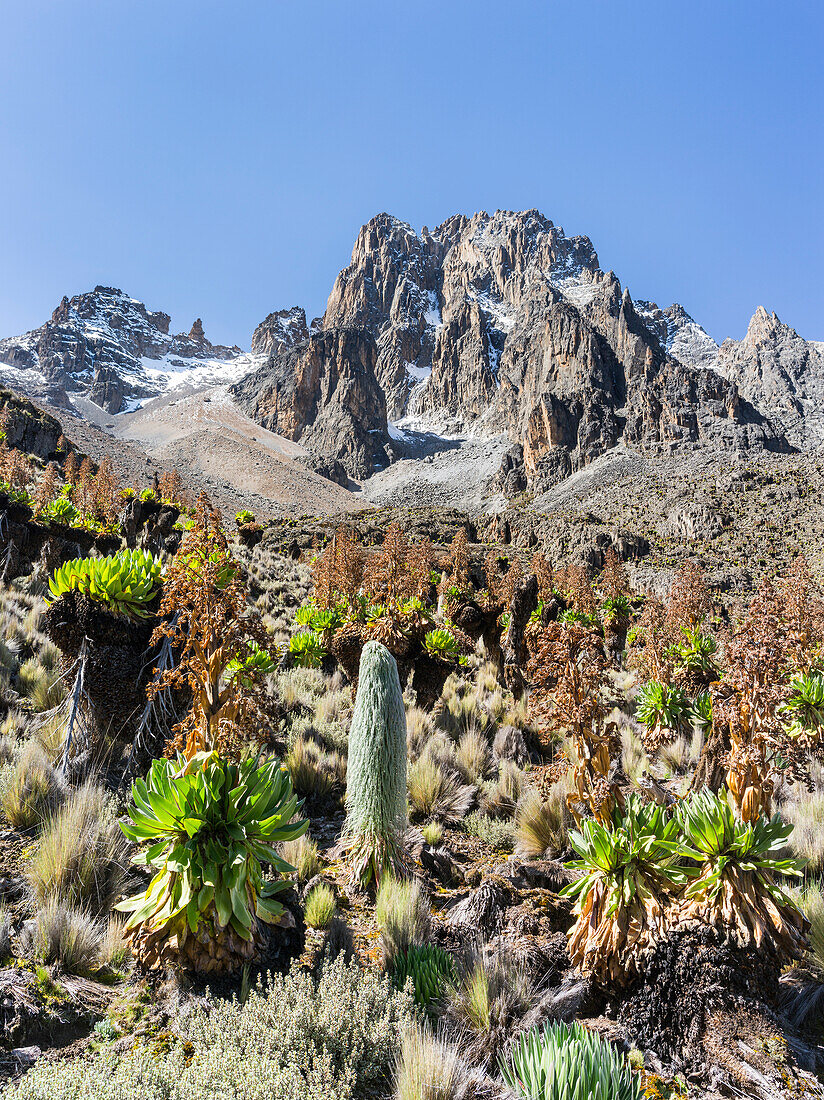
[(492, 326)]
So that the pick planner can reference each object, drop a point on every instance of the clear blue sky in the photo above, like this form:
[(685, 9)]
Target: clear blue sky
[(217, 158)]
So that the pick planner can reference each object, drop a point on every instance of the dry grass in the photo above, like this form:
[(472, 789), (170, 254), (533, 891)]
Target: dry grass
[(435, 792), (302, 854), (542, 826), (30, 789), (114, 950), (402, 914), (428, 1068), (472, 754), (63, 935), (81, 856), (487, 1002), (313, 773)]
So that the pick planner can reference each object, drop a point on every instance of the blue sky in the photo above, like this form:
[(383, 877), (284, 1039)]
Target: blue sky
[(217, 159)]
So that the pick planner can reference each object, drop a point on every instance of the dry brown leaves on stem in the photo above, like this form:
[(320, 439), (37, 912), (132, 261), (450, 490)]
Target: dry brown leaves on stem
[(205, 613), (566, 672), (769, 643)]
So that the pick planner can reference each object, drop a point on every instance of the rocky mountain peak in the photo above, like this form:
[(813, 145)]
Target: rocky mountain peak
[(108, 347), (280, 330), (502, 324)]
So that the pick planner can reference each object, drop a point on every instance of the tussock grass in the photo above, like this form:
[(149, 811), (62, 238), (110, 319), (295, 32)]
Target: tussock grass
[(81, 856), (542, 825), (501, 797), (63, 935), (428, 1068), (805, 809), (402, 914), (472, 754), (30, 789), (491, 996), (313, 776), (303, 856), (5, 932), (435, 792), (320, 906)]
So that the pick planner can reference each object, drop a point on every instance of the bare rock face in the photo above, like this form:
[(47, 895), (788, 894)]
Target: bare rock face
[(96, 344), (679, 334), (324, 394), (502, 324), (782, 374), (280, 330), (391, 289)]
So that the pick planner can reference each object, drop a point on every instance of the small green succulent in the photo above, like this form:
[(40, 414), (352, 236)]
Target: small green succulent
[(567, 1062), (429, 967), (441, 643), (306, 649)]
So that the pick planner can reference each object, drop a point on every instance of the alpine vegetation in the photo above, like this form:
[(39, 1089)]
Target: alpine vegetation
[(376, 781)]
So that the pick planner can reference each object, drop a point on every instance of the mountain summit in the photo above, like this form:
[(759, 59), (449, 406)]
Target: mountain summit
[(491, 327)]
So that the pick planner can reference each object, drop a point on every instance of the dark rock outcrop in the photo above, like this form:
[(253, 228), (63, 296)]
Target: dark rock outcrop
[(323, 394)]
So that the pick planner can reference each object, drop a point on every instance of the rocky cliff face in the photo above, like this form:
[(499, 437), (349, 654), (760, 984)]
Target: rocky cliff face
[(279, 331), (487, 326), (774, 368), (108, 347), (782, 374), (324, 394), (502, 324)]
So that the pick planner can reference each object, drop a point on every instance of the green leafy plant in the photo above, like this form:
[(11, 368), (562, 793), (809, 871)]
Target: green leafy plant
[(252, 660), (630, 873), (737, 877), (701, 711), (209, 824), (616, 607), (429, 967), (125, 582), (62, 511), (244, 516), (149, 495), (661, 707), (567, 1062), (376, 777), (696, 655), (306, 649), (804, 708), (441, 643)]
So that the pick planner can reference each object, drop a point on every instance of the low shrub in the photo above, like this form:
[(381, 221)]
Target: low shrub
[(493, 831), (295, 1038)]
